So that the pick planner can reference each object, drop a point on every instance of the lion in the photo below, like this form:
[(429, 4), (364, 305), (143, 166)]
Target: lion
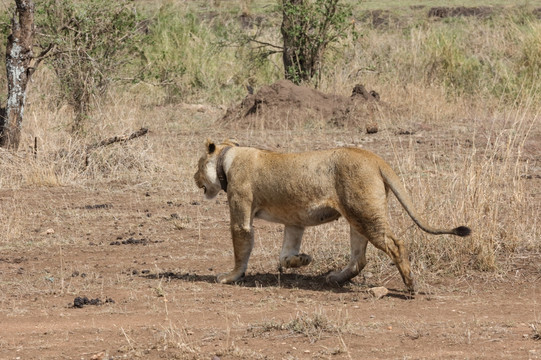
[(308, 189)]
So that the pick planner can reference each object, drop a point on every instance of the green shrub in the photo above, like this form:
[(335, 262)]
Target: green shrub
[(308, 29), (92, 44), (194, 57)]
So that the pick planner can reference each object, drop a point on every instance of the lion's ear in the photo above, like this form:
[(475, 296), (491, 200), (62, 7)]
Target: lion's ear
[(211, 147), (230, 142)]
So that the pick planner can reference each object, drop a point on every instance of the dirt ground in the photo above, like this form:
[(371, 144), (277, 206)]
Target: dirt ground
[(125, 270), (284, 105), (160, 300)]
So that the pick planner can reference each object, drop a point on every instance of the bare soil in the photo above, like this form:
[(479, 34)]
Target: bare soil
[(123, 270), (157, 298), (284, 105)]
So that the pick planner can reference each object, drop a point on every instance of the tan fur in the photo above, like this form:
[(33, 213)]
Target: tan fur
[(307, 189)]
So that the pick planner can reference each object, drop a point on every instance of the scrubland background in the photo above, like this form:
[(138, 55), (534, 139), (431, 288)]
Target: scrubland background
[(473, 78), (464, 133)]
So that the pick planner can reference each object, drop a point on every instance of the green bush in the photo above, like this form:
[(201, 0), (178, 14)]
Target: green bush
[(308, 29), (174, 41), (92, 44), (191, 56)]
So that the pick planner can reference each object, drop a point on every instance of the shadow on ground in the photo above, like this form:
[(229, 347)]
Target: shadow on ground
[(286, 281)]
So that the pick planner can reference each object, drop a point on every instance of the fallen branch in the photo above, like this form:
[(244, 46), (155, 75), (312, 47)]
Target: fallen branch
[(112, 140), (115, 139)]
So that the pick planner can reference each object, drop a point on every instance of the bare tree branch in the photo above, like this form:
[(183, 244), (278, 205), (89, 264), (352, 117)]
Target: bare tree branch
[(264, 43), (115, 139), (119, 138)]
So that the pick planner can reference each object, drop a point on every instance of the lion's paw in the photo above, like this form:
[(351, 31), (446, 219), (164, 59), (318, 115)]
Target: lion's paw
[(337, 278), (296, 261), (229, 278)]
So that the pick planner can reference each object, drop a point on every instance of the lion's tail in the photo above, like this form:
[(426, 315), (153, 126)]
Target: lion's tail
[(393, 182)]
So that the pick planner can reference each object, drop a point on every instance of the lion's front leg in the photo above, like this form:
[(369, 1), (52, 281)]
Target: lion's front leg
[(243, 238), (289, 256)]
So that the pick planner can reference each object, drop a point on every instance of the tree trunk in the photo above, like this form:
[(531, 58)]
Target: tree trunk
[(18, 57)]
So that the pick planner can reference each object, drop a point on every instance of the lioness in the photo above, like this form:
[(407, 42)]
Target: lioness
[(307, 189)]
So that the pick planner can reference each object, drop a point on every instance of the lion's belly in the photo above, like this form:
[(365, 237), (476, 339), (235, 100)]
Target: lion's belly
[(300, 217)]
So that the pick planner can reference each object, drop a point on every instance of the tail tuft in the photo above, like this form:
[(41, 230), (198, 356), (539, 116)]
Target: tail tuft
[(462, 231)]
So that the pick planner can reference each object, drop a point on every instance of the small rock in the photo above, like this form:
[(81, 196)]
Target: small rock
[(79, 302), (49, 231), (99, 356), (378, 292), (372, 128)]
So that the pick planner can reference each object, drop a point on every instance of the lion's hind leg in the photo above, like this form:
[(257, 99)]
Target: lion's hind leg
[(357, 261), (369, 220), (290, 256), (396, 249), (400, 256)]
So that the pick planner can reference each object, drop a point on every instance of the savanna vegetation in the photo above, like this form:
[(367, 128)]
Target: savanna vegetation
[(114, 63), (461, 124)]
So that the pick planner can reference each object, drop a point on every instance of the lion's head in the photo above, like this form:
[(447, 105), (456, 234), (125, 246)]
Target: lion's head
[(206, 177)]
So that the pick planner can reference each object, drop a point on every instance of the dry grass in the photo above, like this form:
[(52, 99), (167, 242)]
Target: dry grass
[(477, 178), (470, 160), (474, 172), (314, 326)]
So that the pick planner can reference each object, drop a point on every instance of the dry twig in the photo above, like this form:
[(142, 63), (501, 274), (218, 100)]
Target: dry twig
[(119, 138)]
